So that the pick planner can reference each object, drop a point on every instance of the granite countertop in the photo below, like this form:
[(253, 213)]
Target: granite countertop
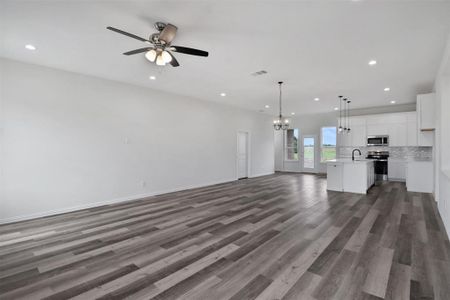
[(419, 159), (410, 159)]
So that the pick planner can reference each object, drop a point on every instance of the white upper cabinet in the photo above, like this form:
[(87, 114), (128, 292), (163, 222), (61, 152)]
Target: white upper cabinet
[(398, 135), (357, 136), (402, 129), (411, 129), (358, 133), (425, 111), (426, 119)]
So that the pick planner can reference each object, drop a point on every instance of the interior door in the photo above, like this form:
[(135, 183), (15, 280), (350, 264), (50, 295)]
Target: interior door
[(242, 154), (309, 153)]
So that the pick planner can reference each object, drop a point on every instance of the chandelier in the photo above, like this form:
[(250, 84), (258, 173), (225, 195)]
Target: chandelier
[(280, 122)]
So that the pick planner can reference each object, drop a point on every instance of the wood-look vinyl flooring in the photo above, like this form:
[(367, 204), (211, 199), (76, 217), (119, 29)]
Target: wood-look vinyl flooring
[(282, 236)]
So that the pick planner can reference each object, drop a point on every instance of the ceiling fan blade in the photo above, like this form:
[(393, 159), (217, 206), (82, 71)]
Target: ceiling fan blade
[(174, 61), (136, 51), (190, 51), (168, 33), (127, 34)]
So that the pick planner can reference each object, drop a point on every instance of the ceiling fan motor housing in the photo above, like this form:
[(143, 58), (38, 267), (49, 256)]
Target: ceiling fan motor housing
[(160, 26)]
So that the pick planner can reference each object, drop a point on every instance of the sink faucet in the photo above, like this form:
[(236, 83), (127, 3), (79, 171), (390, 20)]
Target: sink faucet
[(353, 153)]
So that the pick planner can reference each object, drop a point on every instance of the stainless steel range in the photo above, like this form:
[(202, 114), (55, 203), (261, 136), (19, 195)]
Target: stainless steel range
[(380, 159)]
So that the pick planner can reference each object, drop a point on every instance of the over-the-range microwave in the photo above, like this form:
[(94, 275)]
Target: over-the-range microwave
[(378, 140)]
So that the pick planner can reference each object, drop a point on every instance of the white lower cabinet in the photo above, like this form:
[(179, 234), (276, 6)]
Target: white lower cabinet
[(350, 176), (419, 176), (396, 170), (370, 175), (334, 177)]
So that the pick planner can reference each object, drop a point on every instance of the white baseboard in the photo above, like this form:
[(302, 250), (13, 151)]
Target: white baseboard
[(262, 174), (108, 202)]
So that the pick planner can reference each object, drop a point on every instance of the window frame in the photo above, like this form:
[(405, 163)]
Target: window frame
[(327, 147), (286, 147)]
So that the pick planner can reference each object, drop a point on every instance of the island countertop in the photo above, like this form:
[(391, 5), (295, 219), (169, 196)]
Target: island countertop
[(349, 161)]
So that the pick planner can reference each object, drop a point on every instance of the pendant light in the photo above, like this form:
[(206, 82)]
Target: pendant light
[(344, 130), (340, 115), (280, 122), (348, 116)]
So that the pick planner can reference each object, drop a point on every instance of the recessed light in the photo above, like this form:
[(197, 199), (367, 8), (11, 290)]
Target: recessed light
[(336, 108), (372, 62), (152, 77), (30, 47), (266, 106), (392, 101), (316, 99), (292, 113), (223, 94), (387, 89)]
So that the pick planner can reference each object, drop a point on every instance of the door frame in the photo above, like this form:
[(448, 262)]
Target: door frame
[(248, 152), (316, 153)]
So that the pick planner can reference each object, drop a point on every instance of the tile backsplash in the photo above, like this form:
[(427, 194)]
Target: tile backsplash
[(394, 152)]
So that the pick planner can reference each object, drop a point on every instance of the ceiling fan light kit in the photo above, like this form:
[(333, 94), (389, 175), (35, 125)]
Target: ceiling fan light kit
[(160, 51), (151, 55)]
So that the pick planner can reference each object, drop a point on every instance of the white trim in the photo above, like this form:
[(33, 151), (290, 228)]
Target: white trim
[(117, 200), (316, 154), (261, 174)]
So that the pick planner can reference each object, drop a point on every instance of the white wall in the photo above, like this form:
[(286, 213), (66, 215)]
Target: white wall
[(442, 149), (442, 174), (72, 141), (307, 124)]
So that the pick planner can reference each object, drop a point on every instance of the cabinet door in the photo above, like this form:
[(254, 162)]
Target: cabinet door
[(425, 138), (425, 110), (398, 135), (377, 129), (344, 139), (358, 136), (334, 177), (396, 170), (411, 133)]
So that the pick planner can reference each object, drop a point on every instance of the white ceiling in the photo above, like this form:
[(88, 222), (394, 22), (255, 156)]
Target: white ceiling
[(319, 48)]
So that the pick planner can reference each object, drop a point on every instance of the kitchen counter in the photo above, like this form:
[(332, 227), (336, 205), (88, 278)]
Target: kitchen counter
[(349, 160), (347, 175)]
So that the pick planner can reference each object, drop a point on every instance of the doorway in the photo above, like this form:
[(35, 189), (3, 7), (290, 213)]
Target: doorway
[(309, 153), (242, 154)]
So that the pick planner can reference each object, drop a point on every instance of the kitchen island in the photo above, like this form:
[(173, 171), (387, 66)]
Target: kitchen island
[(347, 175)]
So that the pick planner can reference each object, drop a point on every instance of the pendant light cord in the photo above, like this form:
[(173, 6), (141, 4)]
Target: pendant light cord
[(280, 83)]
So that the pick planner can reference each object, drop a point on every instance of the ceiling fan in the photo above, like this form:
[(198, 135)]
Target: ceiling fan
[(161, 45)]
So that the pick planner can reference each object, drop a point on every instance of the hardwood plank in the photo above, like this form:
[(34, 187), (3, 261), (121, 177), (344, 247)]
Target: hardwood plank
[(378, 274), (280, 236)]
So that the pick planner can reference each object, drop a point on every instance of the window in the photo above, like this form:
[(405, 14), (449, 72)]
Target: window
[(291, 145), (308, 152), (328, 143)]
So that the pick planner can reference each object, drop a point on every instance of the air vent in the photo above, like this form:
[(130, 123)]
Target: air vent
[(259, 73)]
